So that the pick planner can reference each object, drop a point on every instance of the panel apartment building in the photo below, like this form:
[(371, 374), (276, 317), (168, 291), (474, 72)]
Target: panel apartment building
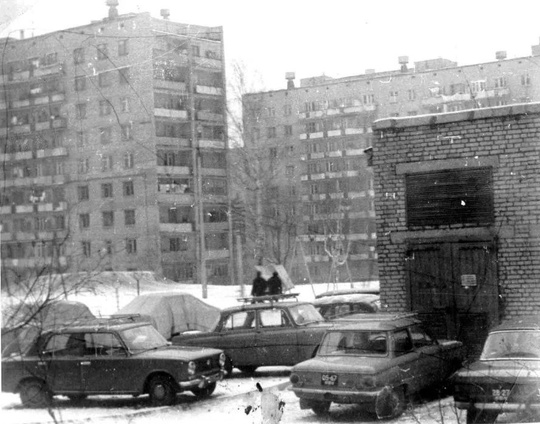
[(113, 147), (326, 126)]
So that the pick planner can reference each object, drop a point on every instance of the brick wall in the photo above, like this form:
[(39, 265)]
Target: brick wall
[(505, 138)]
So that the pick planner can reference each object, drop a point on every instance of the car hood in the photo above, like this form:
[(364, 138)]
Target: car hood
[(344, 364), (185, 353), (500, 370)]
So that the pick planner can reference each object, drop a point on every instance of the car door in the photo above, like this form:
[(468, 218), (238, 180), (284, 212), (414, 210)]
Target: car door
[(431, 359), (62, 357), (276, 340), (106, 367), (236, 336), (407, 360)]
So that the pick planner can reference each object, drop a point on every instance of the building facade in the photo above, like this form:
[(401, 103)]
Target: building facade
[(113, 139), (458, 217), (326, 124)]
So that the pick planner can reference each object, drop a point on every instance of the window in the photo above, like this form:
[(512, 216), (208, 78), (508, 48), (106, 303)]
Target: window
[(500, 82), (420, 338), (128, 188), (86, 248), (270, 112), (82, 138), (124, 101), (83, 166), (274, 318), (106, 163), (80, 110), (460, 196), (288, 129), (107, 218), (196, 51), (102, 52), (104, 108), (104, 79), (105, 135), (78, 56), (478, 86), (244, 320), (123, 76), (122, 47), (84, 220), (129, 217), (80, 83), (128, 160), (178, 244), (271, 132), (368, 99), (273, 152), (402, 342), (106, 190), (131, 246), (108, 247), (287, 110), (289, 170), (314, 189), (411, 95), (393, 97), (526, 80), (83, 193), (127, 133)]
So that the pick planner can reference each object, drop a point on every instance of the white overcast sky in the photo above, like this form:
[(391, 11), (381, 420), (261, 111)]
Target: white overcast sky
[(335, 38)]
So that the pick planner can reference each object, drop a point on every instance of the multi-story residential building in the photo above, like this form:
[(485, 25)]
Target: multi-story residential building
[(113, 139), (326, 124)]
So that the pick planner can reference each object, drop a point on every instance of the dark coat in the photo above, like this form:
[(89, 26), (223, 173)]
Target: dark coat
[(274, 284), (259, 286)]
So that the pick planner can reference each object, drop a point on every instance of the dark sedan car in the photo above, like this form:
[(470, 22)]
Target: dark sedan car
[(506, 378), (105, 358), (264, 333), (376, 362)]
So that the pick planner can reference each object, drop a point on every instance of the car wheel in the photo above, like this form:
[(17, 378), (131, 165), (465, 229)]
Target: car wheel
[(206, 392), (248, 369), (77, 398), (481, 417), (390, 403), (161, 391), (35, 394), (321, 408)]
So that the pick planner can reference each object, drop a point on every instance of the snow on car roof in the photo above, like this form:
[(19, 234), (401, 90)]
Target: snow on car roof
[(522, 323), (377, 321), (347, 298)]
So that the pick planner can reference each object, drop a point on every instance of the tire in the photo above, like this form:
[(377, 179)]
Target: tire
[(35, 394), (162, 391), (206, 392), (321, 408), (481, 417), (248, 369), (390, 403), (77, 398)]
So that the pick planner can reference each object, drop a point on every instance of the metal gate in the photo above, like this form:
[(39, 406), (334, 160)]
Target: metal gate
[(453, 287)]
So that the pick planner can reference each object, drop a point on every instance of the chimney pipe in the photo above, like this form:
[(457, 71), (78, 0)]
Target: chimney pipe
[(113, 11), (290, 76), (165, 13), (403, 60), (21, 34)]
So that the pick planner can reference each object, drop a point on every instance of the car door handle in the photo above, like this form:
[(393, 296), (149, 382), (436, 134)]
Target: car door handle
[(86, 363)]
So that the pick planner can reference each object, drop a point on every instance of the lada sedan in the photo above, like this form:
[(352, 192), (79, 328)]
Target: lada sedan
[(376, 361), (263, 334), (506, 378), (106, 358)]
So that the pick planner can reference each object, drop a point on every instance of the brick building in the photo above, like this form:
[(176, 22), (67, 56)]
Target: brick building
[(323, 126), (113, 139), (458, 216)]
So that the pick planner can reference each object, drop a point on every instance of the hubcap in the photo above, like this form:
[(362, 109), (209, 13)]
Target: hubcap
[(159, 391)]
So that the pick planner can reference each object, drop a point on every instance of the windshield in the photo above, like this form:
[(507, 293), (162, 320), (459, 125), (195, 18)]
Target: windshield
[(523, 344), (362, 343), (305, 314), (143, 338)]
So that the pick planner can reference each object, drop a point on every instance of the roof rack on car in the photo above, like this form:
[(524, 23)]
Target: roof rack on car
[(269, 298), (106, 320), (378, 316)]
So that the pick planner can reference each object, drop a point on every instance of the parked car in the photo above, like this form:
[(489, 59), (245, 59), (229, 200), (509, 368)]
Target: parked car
[(341, 305), (263, 333), (110, 357), (377, 362), (506, 378)]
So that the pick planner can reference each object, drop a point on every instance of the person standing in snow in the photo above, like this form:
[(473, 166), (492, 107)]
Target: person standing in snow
[(259, 285), (274, 284)]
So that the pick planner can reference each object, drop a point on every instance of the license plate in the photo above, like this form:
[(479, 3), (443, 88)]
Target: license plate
[(500, 395), (329, 379)]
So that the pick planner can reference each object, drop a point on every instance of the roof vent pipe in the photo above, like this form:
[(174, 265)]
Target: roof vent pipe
[(500, 55), (165, 13), (290, 76), (113, 11)]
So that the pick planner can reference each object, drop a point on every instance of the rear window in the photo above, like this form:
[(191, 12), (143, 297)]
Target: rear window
[(368, 343), (503, 345)]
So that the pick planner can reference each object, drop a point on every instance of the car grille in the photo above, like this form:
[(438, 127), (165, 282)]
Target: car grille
[(208, 364)]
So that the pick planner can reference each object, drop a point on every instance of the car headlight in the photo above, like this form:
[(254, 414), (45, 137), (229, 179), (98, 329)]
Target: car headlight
[(191, 367), (296, 380), (222, 360)]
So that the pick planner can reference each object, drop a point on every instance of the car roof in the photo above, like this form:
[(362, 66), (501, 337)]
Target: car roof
[(347, 298), (346, 291), (262, 305), (100, 324), (522, 323), (379, 321)]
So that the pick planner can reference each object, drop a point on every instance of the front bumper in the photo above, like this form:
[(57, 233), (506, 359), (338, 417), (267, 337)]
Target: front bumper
[(501, 407), (202, 381), (341, 396)]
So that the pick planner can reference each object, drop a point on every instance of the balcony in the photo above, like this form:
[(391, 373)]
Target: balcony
[(216, 226), (43, 100), (314, 177), (170, 85), (16, 156), (59, 123), (312, 114), (20, 129), (176, 228), (178, 198), (35, 262), (48, 70), (212, 144), (217, 254), (318, 155), (174, 170), (171, 113), (205, 89), (20, 103), (20, 76), (334, 133), (336, 154), (354, 152), (351, 131), (314, 135), (41, 126), (207, 62), (213, 172)]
